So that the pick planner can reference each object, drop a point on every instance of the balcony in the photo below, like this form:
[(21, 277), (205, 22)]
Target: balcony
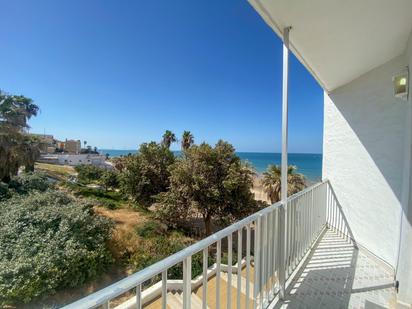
[(322, 265)]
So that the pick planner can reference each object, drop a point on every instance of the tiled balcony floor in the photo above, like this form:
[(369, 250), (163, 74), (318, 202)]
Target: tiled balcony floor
[(337, 275)]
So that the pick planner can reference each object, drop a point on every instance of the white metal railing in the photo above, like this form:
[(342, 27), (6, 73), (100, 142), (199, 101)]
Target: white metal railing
[(255, 238), (335, 217)]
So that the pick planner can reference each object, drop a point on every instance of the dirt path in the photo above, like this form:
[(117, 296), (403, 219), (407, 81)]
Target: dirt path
[(124, 218), (125, 240)]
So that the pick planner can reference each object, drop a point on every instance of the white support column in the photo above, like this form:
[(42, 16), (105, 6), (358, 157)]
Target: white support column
[(284, 177)]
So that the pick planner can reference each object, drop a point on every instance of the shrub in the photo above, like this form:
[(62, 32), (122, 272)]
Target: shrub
[(88, 173), (154, 249), (4, 191), (157, 248), (27, 182), (151, 229), (146, 173), (108, 199), (109, 204), (48, 241), (24, 183)]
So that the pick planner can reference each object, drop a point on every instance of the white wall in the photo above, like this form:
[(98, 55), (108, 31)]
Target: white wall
[(363, 156), (78, 159), (405, 258)]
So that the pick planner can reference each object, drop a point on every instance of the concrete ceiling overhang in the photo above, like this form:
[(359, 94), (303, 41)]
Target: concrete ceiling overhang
[(340, 40)]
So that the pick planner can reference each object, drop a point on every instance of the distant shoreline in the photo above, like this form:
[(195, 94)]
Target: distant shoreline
[(133, 151), (308, 164)]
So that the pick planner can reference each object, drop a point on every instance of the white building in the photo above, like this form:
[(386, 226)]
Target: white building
[(79, 159), (72, 146), (75, 159), (344, 243)]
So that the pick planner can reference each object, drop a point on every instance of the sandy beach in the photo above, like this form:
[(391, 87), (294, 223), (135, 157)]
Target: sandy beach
[(258, 191)]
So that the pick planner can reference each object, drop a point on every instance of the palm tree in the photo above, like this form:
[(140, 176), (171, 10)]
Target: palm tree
[(16, 149), (187, 140), (272, 182), (29, 152), (168, 138)]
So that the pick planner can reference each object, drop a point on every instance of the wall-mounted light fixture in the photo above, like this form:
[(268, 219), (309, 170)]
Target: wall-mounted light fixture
[(401, 84)]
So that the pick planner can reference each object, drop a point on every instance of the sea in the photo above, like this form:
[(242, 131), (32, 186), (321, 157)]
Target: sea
[(308, 164)]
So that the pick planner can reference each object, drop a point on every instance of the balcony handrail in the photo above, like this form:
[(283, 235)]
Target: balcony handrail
[(112, 291)]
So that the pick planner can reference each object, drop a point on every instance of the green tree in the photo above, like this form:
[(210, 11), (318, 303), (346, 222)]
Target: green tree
[(16, 148), (109, 179), (168, 138), (87, 173), (146, 173), (187, 140), (272, 182), (211, 181), (119, 163)]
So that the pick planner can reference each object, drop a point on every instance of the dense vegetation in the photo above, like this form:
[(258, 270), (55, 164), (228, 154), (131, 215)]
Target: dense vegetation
[(27, 182), (91, 174), (48, 241), (109, 180), (157, 244), (88, 173)]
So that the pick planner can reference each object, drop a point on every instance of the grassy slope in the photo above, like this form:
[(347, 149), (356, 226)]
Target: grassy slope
[(59, 172)]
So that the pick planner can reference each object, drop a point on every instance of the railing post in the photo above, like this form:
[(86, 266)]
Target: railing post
[(229, 271), (187, 282), (204, 287), (218, 262), (139, 296), (284, 175), (247, 266), (164, 289), (239, 268), (281, 250), (257, 265)]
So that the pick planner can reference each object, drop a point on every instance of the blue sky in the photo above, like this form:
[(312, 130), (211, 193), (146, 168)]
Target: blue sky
[(119, 73)]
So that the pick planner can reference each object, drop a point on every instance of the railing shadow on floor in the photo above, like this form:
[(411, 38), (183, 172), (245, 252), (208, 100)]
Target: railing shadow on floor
[(335, 217), (325, 279)]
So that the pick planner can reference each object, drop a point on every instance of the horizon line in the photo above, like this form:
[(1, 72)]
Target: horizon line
[(317, 153)]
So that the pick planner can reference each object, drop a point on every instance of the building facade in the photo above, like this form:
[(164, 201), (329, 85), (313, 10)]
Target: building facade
[(72, 146)]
